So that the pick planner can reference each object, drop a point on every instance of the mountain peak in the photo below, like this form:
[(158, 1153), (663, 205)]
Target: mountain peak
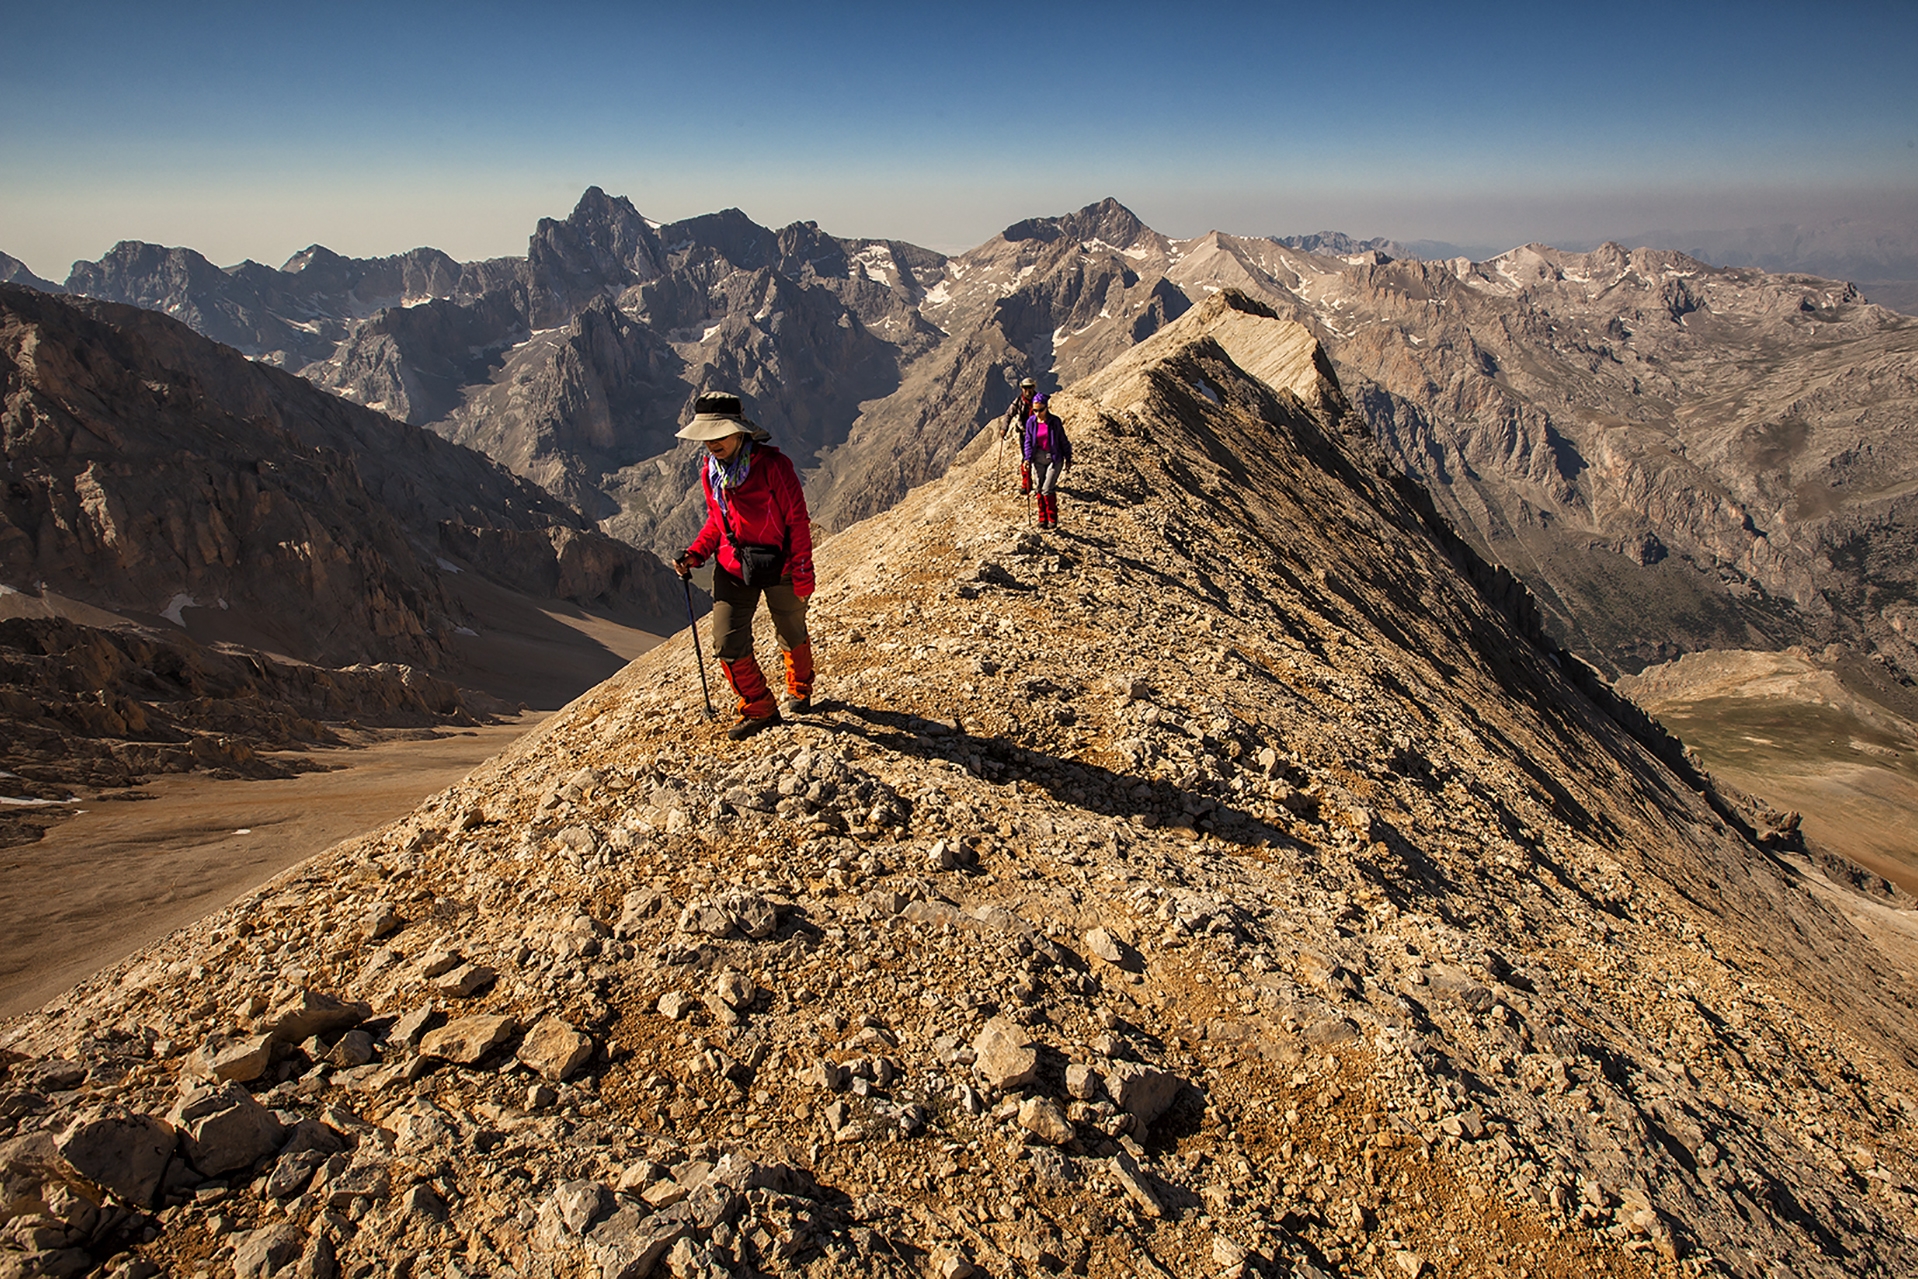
[(14, 271), (1106, 220)]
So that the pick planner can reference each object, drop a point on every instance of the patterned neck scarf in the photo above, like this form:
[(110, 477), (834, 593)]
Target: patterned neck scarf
[(729, 475)]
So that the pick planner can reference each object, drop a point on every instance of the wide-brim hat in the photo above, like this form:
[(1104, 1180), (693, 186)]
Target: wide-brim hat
[(717, 414)]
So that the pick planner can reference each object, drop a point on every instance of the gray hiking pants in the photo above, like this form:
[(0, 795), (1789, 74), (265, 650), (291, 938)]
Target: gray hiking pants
[(1045, 471)]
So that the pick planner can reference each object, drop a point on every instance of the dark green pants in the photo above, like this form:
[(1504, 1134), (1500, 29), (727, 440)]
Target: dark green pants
[(734, 604)]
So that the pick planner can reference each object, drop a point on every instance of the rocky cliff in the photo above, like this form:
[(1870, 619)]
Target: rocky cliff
[(1222, 885)]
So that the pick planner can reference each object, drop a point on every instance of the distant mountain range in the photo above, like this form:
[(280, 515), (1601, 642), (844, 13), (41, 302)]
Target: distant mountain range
[(1671, 455)]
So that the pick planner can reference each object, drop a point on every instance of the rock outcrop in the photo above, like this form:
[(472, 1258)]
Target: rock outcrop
[(1220, 885)]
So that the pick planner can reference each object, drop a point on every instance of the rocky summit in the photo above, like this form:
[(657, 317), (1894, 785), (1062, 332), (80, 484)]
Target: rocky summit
[(1228, 883)]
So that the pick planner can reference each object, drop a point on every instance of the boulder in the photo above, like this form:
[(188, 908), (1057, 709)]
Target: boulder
[(1004, 1056), (268, 1250), (1042, 1117), (465, 1041), (121, 1152), (1104, 945), (1144, 1092), (240, 1060), (309, 1013), (224, 1130), (630, 1244), (555, 1049)]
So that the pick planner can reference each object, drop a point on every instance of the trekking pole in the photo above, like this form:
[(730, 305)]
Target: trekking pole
[(692, 624)]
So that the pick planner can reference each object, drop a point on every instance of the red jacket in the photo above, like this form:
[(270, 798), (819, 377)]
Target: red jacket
[(765, 509)]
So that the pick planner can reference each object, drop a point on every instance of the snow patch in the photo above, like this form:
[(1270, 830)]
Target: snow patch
[(707, 336), (22, 802), (174, 607), (877, 262), (449, 566), (1204, 388), (464, 630)]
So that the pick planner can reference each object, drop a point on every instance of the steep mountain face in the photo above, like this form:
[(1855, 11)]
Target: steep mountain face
[(157, 479), (579, 376), (1343, 934), (1673, 456)]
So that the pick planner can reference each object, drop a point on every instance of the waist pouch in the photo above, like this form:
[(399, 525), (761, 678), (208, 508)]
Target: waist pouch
[(760, 566)]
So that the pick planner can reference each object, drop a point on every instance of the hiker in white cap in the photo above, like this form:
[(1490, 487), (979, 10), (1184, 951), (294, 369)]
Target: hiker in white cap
[(756, 523)]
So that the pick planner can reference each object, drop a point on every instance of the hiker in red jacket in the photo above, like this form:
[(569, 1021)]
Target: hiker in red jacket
[(757, 523), (1014, 422)]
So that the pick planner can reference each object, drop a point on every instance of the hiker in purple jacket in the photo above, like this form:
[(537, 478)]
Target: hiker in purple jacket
[(1048, 452)]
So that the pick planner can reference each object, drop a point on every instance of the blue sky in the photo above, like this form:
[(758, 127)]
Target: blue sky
[(252, 130)]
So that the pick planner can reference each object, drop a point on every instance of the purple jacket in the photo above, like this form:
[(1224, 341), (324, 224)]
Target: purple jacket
[(1056, 442)]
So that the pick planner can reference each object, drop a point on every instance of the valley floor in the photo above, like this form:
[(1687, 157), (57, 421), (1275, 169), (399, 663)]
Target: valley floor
[(1785, 728), (124, 872)]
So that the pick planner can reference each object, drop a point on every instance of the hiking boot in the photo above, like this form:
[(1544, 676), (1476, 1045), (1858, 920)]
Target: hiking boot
[(751, 724), (797, 705)]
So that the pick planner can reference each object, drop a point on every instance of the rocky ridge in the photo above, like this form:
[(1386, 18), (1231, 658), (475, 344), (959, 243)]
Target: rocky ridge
[(1222, 885)]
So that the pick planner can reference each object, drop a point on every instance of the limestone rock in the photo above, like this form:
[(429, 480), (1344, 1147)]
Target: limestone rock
[(555, 1049), (1137, 1185), (223, 1129), (1104, 945), (267, 1250), (1142, 1091), (468, 1039), (118, 1151), (1042, 1117), (241, 1060), (1006, 1058), (311, 1012)]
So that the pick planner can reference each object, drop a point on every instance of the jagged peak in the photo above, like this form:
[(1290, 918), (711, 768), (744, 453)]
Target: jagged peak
[(14, 271), (312, 255), (1106, 220), (595, 205)]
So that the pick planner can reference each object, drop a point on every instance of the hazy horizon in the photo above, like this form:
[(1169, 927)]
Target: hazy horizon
[(254, 131)]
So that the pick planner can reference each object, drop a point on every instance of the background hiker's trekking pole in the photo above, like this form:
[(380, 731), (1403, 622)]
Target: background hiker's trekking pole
[(692, 624)]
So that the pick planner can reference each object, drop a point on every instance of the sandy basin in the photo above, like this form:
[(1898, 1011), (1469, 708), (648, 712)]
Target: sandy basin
[(123, 873)]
